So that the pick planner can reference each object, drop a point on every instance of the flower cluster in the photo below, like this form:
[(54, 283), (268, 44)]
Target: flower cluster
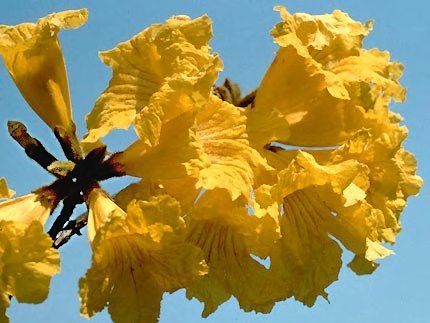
[(309, 164)]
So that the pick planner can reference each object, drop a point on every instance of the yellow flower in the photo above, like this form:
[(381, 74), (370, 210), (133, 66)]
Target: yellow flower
[(354, 178), (344, 178), (27, 209), (228, 236), (171, 54), (322, 81), (315, 163), (33, 57), (27, 259), (137, 256), (187, 137), (210, 146)]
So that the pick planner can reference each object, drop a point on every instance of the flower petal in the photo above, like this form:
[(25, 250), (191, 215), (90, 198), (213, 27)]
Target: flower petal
[(138, 255), (266, 125), (314, 202), (26, 209), (202, 139), (5, 191), (221, 129), (229, 236), (33, 56), (322, 81), (28, 261), (176, 51)]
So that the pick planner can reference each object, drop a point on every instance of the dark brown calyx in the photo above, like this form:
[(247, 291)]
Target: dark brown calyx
[(75, 177), (75, 187)]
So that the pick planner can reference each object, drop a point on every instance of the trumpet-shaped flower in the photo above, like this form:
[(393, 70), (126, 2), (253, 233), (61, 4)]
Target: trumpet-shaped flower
[(137, 256), (210, 146), (171, 54), (323, 94), (26, 209), (186, 134), (33, 57), (321, 64), (229, 236), (314, 163), (354, 179), (27, 259)]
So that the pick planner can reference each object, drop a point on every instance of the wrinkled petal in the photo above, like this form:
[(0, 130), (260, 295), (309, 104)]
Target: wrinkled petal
[(221, 129), (205, 140), (306, 260), (34, 59), (137, 255), (28, 262), (161, 55), (392, 179), (140, 191), (314, 203), (322, 81), (229, 236)]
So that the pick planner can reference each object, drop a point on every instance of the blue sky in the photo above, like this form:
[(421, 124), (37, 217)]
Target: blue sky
[(396, 292)]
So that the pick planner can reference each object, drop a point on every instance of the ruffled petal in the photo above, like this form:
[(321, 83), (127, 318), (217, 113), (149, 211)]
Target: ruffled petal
[(201, 139), (138, 255), (392, 179), (221, 129), (314, 202), (322, 81), (28, 262), (229, 236), (161, 55), (33, 56)]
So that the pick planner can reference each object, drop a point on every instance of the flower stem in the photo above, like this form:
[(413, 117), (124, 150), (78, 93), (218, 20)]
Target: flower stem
[(69, 143), (72, 228), (69, 206), (33, 147)]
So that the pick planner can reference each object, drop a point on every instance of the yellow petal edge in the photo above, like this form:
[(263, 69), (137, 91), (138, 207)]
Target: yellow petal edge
[(34, 59)]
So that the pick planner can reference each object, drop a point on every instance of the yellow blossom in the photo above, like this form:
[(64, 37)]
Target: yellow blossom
[(27, 259), (321, 64), (312, 165), (353, 181), (210, 145), (186, 134), (163, 55), (229, 236), (33, 57), (27, 209), (345, 174), (137, 256)]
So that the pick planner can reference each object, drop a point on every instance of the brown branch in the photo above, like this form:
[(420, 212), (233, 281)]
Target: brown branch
[(72, 228), (32, 147), (69, 143), (69, 206), (247, 100)]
